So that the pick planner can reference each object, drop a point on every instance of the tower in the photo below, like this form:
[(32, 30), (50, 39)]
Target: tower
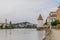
[(6, 21), (40, 21)]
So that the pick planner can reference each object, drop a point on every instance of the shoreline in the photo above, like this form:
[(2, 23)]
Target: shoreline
[(20, 28)]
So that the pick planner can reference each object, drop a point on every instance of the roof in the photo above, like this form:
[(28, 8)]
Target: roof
[(40, 17), (54, 15)]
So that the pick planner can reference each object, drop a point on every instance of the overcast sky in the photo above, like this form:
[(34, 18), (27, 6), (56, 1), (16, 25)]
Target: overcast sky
[(26, 10)]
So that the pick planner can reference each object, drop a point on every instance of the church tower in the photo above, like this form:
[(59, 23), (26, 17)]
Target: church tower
[(40, 21)]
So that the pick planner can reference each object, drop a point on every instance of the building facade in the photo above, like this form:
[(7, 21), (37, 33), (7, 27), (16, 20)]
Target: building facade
[(52, 17), (58, 13)]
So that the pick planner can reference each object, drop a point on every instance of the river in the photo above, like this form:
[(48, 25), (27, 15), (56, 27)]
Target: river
[(21, 34)]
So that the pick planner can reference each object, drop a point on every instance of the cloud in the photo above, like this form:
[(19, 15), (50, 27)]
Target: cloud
[(26, 10)]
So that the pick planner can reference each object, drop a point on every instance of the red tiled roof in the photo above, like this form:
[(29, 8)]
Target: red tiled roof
[(54, 15), (40, 17)]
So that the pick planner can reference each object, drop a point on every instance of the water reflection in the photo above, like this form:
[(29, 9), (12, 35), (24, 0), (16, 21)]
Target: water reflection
[(21, 34)]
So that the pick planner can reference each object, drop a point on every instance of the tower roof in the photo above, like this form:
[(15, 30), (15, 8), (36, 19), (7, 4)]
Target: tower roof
[(40, 17)]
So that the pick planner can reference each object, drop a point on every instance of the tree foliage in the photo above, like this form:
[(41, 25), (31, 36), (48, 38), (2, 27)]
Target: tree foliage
[(54, 23), (46, 22)]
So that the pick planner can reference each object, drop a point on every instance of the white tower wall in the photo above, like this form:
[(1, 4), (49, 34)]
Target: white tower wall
[(40, 23)]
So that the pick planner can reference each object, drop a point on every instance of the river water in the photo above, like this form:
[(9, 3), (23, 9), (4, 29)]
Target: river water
[(21, 34)]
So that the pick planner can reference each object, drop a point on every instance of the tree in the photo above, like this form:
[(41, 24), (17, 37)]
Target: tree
[(54, 23), (46, 22), (1, 26), (10, 25), (6, 27)]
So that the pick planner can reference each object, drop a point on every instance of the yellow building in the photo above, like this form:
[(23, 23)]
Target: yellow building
[(58, 13)]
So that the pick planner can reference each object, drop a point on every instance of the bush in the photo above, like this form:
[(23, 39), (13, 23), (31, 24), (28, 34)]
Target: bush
[(54, 23), (1, 27), (6, 27), (46, 22)]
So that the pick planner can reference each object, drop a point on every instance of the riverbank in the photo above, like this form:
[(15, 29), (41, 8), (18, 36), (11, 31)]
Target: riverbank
[(21, 34)]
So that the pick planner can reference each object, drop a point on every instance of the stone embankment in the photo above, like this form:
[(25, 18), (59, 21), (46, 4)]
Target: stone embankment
[(47, 31), (47, 34)]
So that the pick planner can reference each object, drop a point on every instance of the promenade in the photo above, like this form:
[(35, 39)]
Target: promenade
[(54, 35)]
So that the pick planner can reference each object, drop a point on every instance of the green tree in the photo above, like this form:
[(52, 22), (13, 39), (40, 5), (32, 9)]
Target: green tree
[(46, 22), (54, 23), (6, 27), (11, 25), (1, 26)]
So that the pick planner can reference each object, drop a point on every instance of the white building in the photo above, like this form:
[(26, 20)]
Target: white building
[(40, 21), (52, 17)]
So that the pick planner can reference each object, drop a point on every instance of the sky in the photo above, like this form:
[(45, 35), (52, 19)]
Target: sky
[(26, 10)]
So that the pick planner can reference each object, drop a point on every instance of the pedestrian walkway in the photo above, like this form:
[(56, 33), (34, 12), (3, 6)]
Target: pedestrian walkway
[(55, 34)]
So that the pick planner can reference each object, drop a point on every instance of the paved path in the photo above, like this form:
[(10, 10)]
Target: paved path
[(54, 35)]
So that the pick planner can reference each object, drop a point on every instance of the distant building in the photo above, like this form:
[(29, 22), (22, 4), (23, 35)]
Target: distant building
[(52, 17), (4, 24), (40, 21)]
